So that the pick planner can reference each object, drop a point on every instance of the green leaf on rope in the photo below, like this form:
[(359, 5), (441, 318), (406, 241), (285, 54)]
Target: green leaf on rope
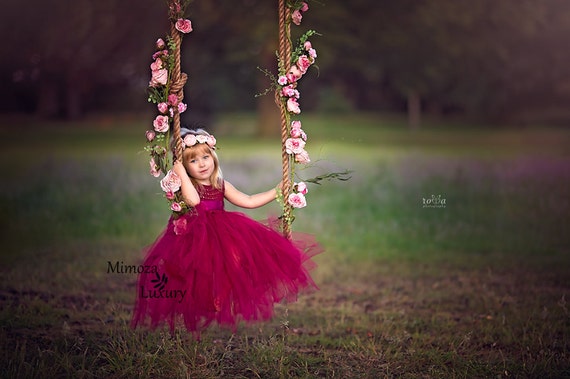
[(300, 49), (342, 176)]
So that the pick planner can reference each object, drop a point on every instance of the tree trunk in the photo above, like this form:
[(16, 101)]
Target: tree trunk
[(268, 116), (73, 105), (73, 109), (414, 110), (48, 100)]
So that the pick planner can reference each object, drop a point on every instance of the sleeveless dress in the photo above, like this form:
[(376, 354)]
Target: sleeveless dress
[(214, 265)]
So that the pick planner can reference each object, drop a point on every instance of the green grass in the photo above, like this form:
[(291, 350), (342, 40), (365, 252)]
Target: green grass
[(477, 289)]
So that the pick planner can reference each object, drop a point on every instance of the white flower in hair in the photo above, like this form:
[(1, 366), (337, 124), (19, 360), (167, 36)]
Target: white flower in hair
[(189, 140)]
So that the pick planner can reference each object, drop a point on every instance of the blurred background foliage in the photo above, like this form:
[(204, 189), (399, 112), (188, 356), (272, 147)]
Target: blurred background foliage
[(501, 61)]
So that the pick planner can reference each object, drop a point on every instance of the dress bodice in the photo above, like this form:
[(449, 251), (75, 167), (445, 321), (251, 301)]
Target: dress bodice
[(211, 198)]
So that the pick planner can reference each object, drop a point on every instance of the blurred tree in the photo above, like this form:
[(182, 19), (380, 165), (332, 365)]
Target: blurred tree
[(230, 40), (253, 42), (71, 49), (483, 58), (472, 50)]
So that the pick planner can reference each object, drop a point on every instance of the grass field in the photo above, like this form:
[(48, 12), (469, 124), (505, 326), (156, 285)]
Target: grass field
[(477, 288)]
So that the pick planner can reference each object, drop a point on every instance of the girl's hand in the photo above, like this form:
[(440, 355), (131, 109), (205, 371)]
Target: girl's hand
[(179, 169), (189, 193)]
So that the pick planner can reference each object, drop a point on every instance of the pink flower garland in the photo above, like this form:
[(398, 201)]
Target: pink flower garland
[(183, 26), (297, 198), (287, 86), (167, 105)]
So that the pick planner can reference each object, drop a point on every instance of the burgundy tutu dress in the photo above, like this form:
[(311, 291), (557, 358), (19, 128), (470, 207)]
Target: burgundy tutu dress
[(214, 265)]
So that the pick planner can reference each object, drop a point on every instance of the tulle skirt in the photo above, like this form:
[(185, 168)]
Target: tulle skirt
[(220, 266)]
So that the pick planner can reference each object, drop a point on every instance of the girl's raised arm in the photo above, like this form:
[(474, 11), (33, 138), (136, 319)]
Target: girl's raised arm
[(189, 193), (248, 201)]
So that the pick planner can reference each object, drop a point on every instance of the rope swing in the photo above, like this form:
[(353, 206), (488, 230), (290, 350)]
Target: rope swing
[(166, 90), (178, 80), (284, 56)]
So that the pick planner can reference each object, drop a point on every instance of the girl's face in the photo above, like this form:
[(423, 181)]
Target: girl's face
[(199, 163)]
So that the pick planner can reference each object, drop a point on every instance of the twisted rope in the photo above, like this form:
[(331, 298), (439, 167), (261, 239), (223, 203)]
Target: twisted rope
[(285, 58), (178, 79)]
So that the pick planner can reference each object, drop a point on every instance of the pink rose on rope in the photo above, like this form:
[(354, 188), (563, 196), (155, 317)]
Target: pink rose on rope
[(297, 200), (282, 80), (154, 170), (291, 78), (172, 99), (293, 106), (302, 157), (290, 91), (160, 53), (162, 107), (303, 63), (298, 133), (307, 45), (176, 207), (296, 17), (150, 134), (296, 72), (171, 182), (182, 107), (156, 65), (313, 54), (301, 187), (160, 44), (183, 25), (294, 145), (160, 124), (159, 78), (296, 130), (175, 7), (304, 7)]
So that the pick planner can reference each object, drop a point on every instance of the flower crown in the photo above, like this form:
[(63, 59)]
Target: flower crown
[(192, 139)]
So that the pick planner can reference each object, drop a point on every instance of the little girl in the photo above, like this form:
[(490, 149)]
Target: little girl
[(214, 265)]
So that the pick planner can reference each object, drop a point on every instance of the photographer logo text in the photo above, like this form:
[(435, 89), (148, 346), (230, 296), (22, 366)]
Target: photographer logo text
[(435, 201)]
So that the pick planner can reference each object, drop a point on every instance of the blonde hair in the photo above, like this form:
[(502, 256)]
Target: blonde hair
[(201, 149)]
